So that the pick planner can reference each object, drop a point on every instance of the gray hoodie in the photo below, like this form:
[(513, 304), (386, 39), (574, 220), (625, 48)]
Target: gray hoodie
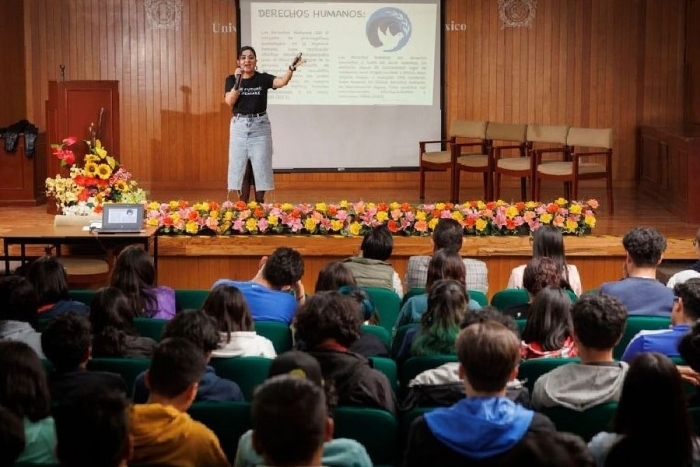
[(22, 332), (579, 386)]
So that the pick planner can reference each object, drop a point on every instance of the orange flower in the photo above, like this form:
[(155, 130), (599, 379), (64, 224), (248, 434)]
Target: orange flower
[(393, 226), (559, 221), (405, 207), (332, 210), (83, 195), (214, 206), (296, 213), (435, 213), (240, 205), (259, 213), (421, 226), (183, 204), (552, 208), (491, 205), (193, 215), (520, 206), (510, 224), (382, 207), (98, 209), (470, 222), (168, 221)]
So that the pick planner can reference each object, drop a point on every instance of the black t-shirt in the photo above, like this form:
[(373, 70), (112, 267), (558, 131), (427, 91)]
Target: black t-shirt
[(253, 97)]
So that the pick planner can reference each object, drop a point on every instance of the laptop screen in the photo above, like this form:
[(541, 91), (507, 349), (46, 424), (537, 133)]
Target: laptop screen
[(122, 216)]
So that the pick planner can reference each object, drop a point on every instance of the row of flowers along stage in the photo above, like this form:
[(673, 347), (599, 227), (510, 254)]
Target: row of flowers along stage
[(212, 232)]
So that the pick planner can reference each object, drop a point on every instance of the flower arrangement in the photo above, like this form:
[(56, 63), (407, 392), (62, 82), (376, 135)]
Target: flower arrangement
[(353, 219), (99, 179)]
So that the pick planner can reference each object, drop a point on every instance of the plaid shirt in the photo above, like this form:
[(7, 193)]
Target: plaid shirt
[(417, 273)]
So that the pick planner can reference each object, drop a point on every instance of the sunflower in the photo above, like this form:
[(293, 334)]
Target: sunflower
[(121, 185), (111, 161), (90, 168), (91, 158), (103, 171)]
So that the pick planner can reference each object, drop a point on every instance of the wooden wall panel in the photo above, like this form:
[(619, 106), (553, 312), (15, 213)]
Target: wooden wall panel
[(13, 106), (597, 63)]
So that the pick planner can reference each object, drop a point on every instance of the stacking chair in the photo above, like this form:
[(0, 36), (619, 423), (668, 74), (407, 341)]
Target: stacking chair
[(388, 305), (398, 338), (530, 370), (636, 324), (573, 169), (515, 137), (128, 368), (476, 295), (377, 430), (412, 293), (190, 299), (473, 157), (586, 423), (280, 334), (444, 160), (417, 365), (150, 327), (407, 419), (387, 367), (228, 421), (377, 331), (83, 295), (247, 372)]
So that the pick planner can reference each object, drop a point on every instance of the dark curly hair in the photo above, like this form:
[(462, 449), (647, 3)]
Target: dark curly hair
[(542, 272), (689, 347), (689, 293), (195, 326), (284, 268), (378, 243), (448, 235), (19, 300), (645, 245), (66, 341), (489, 313), (329, 315), (599, 320)]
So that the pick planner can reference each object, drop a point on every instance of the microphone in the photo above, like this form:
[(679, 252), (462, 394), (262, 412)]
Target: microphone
[(237, 83)]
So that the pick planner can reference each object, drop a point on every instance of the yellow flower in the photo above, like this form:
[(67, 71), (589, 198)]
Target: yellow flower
[(111, 162), (174, 204), (273, 220), (420, 216), (175, 216), (253, 204), (531, 204), (228, 215), (433, 222), (546, 218), (103, 171), (152, 221), (355, 228), (310, 224), (590, 221), (382, 216), (321, 207), (91, 158), (90, 168), (480, 225), (153, 205), (336, 225), (500, 202), (560, 201), (571, 225), (575, 209), (394, 205), (456, 215), (371, 205), (287, 206), (480, 205), (214, 214), (440, 206), (121, 185), (191, 227), (344, 203), (205, 206), (511, 212), (251, 225)]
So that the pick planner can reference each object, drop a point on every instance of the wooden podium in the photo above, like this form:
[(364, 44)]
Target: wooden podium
[(22, 177), (72, 107)]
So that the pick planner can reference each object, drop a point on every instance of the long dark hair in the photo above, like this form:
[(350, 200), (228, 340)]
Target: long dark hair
[(135, 275), (112, 320), (227, 305), (445, 264), (549, 323), (48, 276), (548, 242), (24, 390), (653, 390), (333, 276), (448, 303)]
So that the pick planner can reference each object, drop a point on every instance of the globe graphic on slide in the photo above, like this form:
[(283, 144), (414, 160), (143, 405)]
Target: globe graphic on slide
[(388, 29)]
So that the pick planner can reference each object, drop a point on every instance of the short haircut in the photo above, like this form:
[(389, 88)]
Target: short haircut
[(448, 235), (488, 352), (229, 309), (92, 428), (445, 264), (195, 326), (378, 243), (66, 341), (689, 347), (333, 276), (689, 292), (18, 300), (48, 276), (645, 246), (489, 313), (539, 273), (11, 437), (289, 418), (550, 449), (284, 267), (23, 386), (329, 315), (176, 364), (599, 320)]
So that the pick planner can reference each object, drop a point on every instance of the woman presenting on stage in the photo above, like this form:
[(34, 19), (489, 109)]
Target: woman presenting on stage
[(250, 144)]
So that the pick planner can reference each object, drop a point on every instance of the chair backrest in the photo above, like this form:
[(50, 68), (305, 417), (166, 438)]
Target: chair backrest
[(506, 132), (379, 332), (479, 297), (521, 322), (530, 370), (398, 338), (128, 368), (280, 334), (387, 367), (190, 299), (417, 365), (586, 423), (388, 305), (509, 297), (84, 296), (247, 372), (377, 430), (228, 421), (590, 137), (636, 324), (150, 327), (412, 293), (468, 129), (547, 133)]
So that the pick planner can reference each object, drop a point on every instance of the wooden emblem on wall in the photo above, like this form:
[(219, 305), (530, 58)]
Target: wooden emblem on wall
[(517, 13), (164, 14)]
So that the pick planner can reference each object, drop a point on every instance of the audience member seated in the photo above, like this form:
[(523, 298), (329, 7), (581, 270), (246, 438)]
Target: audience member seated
[(200, 329), (227, 306), (651, 424), (49, 279), (135, 274), (268, 293), (486, 424), (550, 449), (639, 290), (11, 437), (682, 276), (548, 242), (92, 429), (539, 273), (448, 235), (599, 322), (371, 269), (162, 431), (338, 452), (25, 393), (444, 265), (67, 345), (327, 326), (113, 333), (439, 326), (333, 276), (548, 330), (443, 386), (290, 422), (696, 244), (685, 312), (367, 344), (689, 350), (18, 312)]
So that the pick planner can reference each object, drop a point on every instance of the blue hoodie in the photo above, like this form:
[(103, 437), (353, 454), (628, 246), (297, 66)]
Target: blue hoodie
[(480, 427), (211, 388)]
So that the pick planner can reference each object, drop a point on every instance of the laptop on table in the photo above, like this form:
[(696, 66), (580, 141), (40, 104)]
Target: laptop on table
[(121, 218)]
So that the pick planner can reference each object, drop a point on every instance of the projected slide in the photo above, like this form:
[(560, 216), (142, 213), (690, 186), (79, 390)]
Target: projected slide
[(357, 53)]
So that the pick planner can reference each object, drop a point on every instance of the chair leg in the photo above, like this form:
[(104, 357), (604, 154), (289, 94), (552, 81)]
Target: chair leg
[(487, 188), (454, 193), (497, 186), (421, 191), (610, 192), (574, 190), (523, 189), (538, 186), (567, 190)]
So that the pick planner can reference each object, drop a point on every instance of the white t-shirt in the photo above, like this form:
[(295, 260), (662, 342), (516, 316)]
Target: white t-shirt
[(245, 344), (516, 278)]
